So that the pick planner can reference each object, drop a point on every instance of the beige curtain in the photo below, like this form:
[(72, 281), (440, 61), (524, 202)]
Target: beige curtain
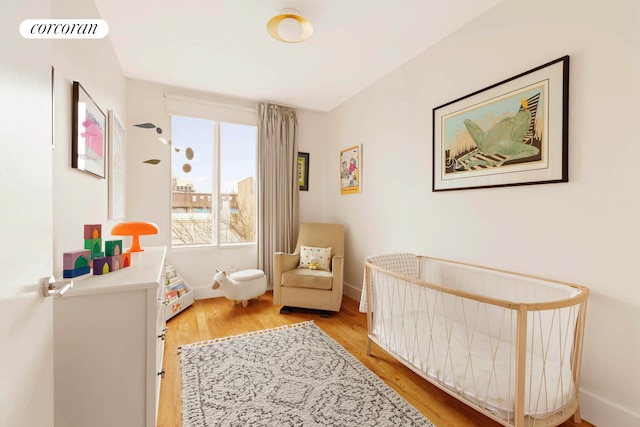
[(278, 185)]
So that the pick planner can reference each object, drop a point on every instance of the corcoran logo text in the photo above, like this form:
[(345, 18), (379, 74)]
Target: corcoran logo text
[(64, 29)]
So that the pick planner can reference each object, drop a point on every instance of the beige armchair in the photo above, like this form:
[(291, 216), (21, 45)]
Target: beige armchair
[(295, 287)]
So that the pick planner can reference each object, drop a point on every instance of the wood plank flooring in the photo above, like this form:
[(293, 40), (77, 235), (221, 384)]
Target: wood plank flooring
[(219, 317)]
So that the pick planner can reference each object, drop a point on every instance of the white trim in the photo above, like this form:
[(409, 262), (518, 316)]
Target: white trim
[(206, 293), (601, 412), (244, 113), (171, 97), (351, 291)]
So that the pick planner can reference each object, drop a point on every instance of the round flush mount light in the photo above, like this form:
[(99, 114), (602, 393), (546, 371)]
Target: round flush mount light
[(289, 27)]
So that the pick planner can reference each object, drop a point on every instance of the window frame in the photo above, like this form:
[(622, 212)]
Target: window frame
[(216, 199)]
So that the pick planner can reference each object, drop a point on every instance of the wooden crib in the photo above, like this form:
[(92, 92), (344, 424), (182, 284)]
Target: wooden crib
[(506, 344)]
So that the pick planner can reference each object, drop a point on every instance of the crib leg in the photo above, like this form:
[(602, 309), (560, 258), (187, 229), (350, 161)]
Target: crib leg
[(576, 416), (368, 347)]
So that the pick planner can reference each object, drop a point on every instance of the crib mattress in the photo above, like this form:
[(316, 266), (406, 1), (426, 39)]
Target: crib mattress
[(475, 365)]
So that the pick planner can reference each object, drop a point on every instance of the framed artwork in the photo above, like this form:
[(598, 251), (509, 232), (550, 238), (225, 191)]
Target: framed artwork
[(117, 167), (303, 171), (53, 106), (514, 132), (88, 133), (351, 170)]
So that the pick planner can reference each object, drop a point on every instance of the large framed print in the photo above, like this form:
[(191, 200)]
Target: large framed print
[(88, 133), (514, 132), (117, 167)]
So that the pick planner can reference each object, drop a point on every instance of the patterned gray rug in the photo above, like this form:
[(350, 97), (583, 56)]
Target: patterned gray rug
[(288, 376)]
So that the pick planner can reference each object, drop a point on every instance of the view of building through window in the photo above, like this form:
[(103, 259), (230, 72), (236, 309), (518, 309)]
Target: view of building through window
[(213, 199)]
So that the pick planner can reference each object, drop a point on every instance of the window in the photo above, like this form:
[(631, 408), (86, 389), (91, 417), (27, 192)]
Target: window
[(213, 199)]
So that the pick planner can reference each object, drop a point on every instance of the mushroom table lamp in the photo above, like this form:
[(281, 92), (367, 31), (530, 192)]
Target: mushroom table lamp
[(135, 230)]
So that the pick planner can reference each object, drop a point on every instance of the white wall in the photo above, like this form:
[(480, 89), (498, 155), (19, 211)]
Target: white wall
[(80, 198), (584, 231), (313, 130), (148, 189)]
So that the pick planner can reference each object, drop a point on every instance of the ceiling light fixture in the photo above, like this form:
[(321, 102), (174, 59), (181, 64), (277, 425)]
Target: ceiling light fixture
[(289, 27)]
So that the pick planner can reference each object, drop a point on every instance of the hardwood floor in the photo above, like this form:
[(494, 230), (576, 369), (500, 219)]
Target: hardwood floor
[(219, 317)]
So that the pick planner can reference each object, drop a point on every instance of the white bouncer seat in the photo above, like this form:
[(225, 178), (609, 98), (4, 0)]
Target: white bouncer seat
[(242, 285)]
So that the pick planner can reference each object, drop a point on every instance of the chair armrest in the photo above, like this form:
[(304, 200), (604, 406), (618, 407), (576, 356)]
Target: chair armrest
[(336, 267), (285, 261), (337, 270), (282, 262)]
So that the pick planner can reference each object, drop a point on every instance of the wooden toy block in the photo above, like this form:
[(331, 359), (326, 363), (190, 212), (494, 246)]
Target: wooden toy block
[(116, 262), (76, 259), (68, 274), (94, 245), (126, 260), (95, 255), (101, 265), (92, 231), (113, 247)]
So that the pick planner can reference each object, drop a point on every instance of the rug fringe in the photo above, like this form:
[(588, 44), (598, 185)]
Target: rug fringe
[(247, 334)]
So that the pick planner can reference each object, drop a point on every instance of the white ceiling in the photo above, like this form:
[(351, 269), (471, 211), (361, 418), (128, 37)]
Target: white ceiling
[(222, 46)]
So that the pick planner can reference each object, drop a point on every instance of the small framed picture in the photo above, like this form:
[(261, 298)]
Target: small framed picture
[(303, 171), (350, 170)]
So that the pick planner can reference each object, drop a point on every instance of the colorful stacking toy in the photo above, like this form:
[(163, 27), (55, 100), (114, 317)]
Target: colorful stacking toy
[(79, 262)]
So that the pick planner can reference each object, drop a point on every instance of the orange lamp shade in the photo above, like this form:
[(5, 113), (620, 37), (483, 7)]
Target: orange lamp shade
[(135, 230)]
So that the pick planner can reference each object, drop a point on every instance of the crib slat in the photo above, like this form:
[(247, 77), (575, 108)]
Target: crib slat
[(577, 360), (521, 363), (369, 312)]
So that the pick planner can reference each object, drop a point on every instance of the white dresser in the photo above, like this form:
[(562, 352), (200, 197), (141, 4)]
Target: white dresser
[(108, 346)]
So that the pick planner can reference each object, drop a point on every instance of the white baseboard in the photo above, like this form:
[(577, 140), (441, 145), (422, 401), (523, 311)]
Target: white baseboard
[(351, 291), (601, 412), (207, 292), (204, 293)]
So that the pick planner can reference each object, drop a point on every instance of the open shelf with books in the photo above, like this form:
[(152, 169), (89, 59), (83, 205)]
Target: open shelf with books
[(178, 294)]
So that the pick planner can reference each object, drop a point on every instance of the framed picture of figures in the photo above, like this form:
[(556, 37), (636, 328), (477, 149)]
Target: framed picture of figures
[(514, 132), (351, 170)]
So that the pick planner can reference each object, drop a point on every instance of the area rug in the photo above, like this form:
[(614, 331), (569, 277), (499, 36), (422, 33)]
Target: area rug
[(288, 376)]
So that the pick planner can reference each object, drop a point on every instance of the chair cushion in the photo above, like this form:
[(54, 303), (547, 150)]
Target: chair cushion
[(305, 278)]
